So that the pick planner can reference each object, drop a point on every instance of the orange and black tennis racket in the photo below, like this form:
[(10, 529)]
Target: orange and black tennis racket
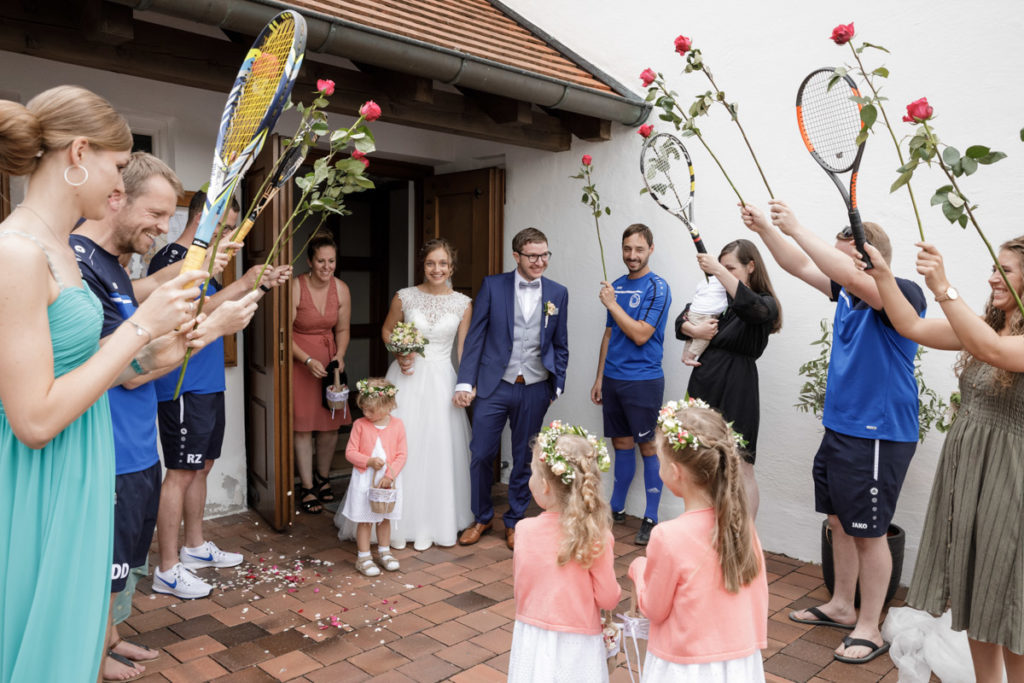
[(830, 124)]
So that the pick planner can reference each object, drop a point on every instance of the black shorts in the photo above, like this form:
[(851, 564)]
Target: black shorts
[(136, 500), (191, 430), (630, 407), (859, 481)]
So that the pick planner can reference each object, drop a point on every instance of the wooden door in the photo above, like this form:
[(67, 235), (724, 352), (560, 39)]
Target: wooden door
[(468, 209), (267, 362)]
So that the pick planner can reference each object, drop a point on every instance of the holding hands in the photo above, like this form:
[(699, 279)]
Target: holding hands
[(463, 399)]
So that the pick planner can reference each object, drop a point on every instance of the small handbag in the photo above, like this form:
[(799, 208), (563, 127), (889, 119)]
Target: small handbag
[(382, 501)]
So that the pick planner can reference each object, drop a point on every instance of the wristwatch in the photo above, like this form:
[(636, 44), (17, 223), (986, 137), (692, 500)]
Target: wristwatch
[(949, 295)]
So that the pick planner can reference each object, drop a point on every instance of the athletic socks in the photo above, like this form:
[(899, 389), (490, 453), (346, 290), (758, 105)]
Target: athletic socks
[(625, 468), (652, 485)]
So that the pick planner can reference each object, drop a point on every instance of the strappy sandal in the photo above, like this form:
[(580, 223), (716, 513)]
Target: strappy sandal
[(312, 507), (151, 654), (124, 661), (323, 487), (368, 567), (389, 562)]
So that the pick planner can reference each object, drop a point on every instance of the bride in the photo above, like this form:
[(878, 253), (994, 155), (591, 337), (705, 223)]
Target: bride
[(435, 479)]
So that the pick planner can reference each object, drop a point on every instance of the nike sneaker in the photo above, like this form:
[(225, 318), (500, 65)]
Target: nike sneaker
[(180, 582), (208, 555)]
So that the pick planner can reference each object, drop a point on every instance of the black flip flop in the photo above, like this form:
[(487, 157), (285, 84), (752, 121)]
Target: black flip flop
[(820, 619), (121, 659), (876, 650)]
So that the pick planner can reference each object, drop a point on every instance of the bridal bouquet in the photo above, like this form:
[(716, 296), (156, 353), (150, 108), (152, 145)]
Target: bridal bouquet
[(406, 339)]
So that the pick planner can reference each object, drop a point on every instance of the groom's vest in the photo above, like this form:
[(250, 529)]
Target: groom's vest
[(525, 359)]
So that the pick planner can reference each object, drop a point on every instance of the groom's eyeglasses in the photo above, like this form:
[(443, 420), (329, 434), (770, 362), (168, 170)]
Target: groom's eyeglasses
[(533, 258)]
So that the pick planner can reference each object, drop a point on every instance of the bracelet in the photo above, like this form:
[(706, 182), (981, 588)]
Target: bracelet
[(140, 330), (137, 367), (264, 288), (308, 358)]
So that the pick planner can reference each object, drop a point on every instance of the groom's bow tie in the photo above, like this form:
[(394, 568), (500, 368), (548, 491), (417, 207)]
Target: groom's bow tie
[(529, 285)]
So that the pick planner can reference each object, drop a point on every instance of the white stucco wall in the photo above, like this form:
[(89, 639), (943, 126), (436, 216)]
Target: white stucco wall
[(961, 61)]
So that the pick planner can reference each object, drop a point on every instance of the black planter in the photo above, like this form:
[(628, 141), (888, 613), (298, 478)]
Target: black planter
[(897, 541)]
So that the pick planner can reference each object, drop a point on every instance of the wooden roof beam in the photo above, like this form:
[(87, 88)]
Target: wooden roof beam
[(399, 85), (584, 127), (501, 109), (173, 56)]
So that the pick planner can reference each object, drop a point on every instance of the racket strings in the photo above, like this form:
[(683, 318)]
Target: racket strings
[(831, 121), (668, 173), (260, 88)]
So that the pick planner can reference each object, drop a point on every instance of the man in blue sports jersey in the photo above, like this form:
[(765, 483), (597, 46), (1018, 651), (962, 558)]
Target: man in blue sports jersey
[(630, 383), (134, 220), (192, 427), (870, 420)]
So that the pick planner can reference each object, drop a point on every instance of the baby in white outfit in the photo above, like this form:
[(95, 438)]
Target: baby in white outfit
[(709, 301)]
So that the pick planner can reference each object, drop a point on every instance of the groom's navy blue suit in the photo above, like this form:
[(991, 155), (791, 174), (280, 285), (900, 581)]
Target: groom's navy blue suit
[(496, 334)]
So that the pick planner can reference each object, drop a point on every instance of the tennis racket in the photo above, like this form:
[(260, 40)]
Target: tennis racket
[(829, 125), (256, 100), (668, 174), (291, 162)]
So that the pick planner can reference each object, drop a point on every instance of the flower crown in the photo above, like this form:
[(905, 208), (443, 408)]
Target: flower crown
[(364, 388), (556, 460), (679, 438)]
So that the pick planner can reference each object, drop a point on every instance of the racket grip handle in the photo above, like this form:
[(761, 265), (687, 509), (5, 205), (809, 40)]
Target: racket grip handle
[(857, 227), (193, 259), (699, 243), (243, 230)]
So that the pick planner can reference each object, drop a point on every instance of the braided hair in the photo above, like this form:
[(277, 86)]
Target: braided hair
[(585, 515), (713, 460)]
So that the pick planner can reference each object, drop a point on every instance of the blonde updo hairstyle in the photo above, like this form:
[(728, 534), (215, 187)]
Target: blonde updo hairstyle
[(715, 464), (585, 515), (373, 400), (51, 121)]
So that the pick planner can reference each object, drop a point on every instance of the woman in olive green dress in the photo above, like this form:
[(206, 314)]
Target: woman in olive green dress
[(972, 548)]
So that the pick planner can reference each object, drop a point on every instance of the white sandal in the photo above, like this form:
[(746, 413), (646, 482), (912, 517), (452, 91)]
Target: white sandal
[(368, 567), (389, 562)]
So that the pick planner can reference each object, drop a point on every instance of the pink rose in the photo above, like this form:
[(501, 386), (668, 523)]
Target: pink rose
[(682, 45), (841, 34), (645, 130), (370, 110), (586, 160), (647, 76), (359, 156), (918, 111), (325, 86)]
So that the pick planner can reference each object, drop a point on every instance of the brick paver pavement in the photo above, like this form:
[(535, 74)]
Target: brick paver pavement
[(297, 610)]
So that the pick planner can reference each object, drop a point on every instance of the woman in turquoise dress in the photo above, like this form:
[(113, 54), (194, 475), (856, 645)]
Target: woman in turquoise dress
[(56, 442), (972, 547)]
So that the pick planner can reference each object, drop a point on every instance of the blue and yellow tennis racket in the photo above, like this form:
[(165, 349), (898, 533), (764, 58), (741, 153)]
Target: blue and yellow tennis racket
[(257, 98)]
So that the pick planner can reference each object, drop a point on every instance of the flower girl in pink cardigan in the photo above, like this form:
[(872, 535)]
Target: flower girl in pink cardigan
[(563, 564), (702, 584), (377, 451)]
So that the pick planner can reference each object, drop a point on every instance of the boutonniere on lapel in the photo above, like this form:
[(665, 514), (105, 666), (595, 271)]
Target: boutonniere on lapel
[(550, 309)]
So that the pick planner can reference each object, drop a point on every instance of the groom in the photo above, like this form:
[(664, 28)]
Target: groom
[(514, 364)]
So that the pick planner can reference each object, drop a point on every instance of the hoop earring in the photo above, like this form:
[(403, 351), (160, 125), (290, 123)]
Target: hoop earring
[(78, 184)]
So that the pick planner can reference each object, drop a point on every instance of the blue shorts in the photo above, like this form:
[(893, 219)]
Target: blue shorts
[(136, 500), (859, 481), (191, 430), (630, 407)]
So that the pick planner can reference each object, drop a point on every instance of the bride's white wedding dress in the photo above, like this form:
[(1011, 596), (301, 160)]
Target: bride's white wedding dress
[(435, 478)]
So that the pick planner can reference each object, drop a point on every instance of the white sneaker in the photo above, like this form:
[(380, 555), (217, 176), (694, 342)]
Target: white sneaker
[(208, 555), (180, 582)]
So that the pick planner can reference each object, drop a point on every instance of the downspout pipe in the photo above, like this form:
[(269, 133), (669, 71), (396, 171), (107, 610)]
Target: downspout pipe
[(349, 40)]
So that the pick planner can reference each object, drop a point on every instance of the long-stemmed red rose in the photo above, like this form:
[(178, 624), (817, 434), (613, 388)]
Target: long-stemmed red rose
[(667, 101), (871, 106), (593, 200), (695, 62), (956, 207)]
